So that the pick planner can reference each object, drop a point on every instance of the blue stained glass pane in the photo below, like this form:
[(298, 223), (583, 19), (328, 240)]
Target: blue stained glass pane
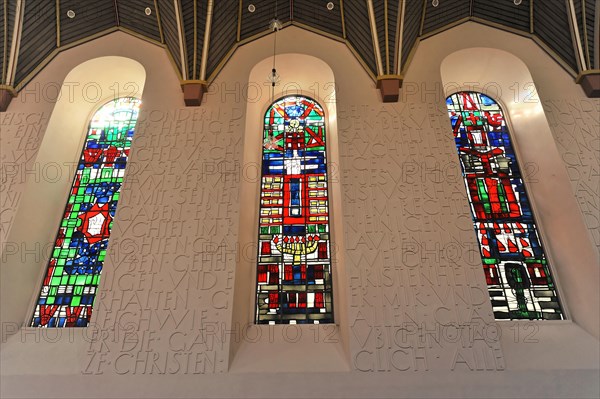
[(516, 269), (72, 275), (294, 264)]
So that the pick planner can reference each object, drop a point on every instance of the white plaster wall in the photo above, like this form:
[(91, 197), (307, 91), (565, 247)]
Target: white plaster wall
[(419, 322)]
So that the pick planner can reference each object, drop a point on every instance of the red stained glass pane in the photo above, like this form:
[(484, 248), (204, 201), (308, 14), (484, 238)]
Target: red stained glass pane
[(294, 214), (513, 257)]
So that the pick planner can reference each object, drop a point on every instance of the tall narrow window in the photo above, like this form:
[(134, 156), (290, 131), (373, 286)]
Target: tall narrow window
[(294, 259), (73, 273), (515, 266)]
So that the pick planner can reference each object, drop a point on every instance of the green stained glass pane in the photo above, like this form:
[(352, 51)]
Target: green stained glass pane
[(292, 229), (510, 246), (80, 246)]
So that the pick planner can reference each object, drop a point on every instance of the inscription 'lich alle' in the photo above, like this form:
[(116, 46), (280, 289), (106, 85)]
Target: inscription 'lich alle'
[(294, 262)]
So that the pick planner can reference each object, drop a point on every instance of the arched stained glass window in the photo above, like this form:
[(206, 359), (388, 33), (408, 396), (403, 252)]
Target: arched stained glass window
[(516, 269), (73, 273), (294, 259)]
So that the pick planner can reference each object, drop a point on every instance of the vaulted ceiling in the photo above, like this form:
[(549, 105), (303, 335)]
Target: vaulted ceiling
[(200, 35)]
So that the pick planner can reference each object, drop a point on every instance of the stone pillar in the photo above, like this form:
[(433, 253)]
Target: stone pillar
[(193, 91), (590, 82), (389, 87)]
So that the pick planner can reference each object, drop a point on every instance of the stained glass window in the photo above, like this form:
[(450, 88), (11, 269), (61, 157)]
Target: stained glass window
[(294, 258), (73, 273), (516, 269)]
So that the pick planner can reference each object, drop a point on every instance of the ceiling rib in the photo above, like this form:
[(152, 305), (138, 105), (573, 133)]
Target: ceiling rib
[(182, 49), (207, 27), (423, 17), (158, 22), (400, 37), (117, 13), (239, 22), (15, 44), (531, 16), (577, 47), (597, 36), (195, 60), (374, 37), (585, 36), (4, 40), (57, 23), (343, 19), (387, 39)]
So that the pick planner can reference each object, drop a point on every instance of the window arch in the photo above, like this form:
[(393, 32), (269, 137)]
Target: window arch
[(73, 272), (517, 273), (294, 260)]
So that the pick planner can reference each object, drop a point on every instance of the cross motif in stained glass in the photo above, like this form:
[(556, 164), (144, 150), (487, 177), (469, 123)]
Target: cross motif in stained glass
[(294, 259)]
